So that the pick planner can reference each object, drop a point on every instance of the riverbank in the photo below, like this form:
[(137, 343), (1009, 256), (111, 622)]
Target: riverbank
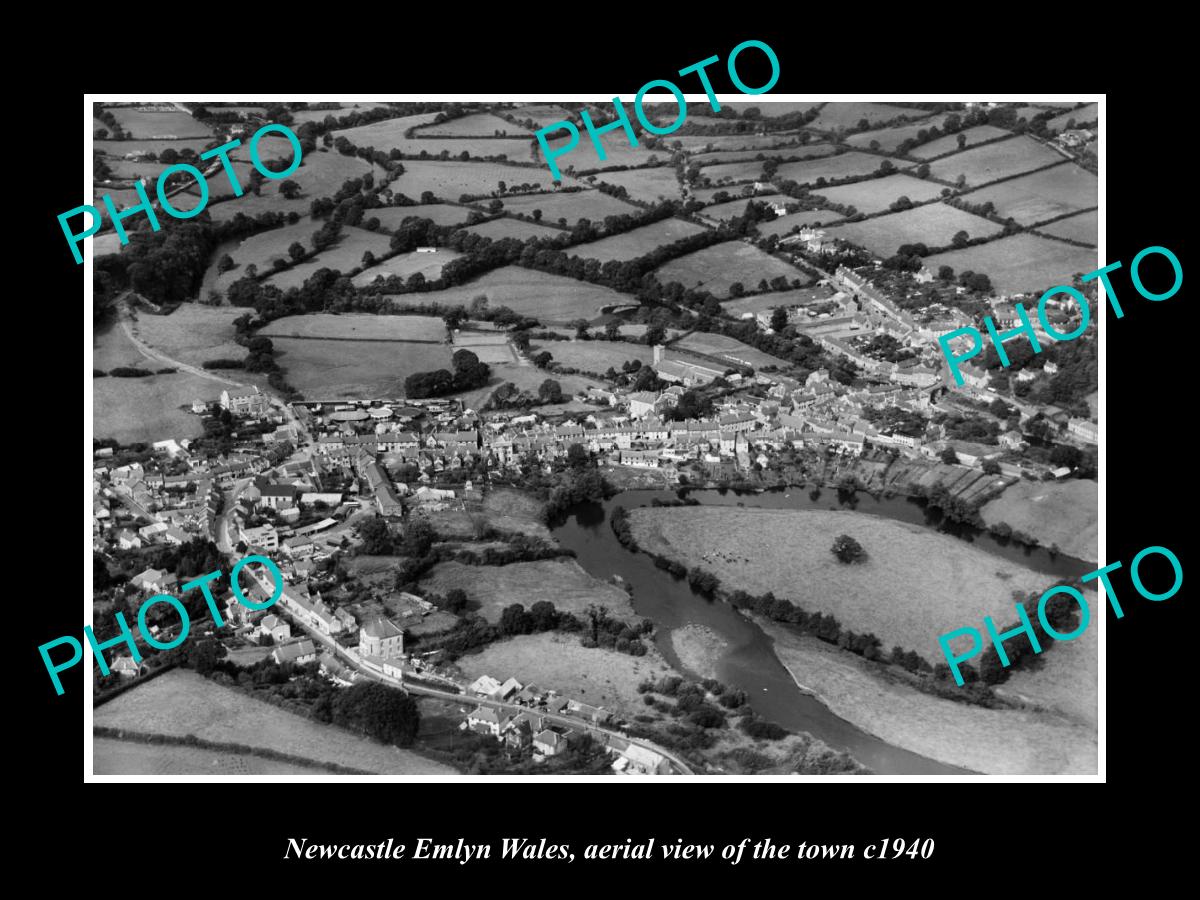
[(994, 742), (698, 648), (1063, 513)]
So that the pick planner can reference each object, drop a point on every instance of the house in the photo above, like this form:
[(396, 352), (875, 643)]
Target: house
[(484, 686), (381, 638), (278, 496), (485, 720), (508, 690), (276, 628), (642, 404), (299, 547), (127, 540), (549, 742), (639, 760), (1084, 430), (264, 536), (126, 667), (158, 581), (245, 401), (301, 653)]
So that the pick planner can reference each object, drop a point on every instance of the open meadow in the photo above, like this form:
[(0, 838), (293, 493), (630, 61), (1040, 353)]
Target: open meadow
[(716, 268), (808, 171), (909, 590), (784, 225), (595, 356), (757, 303), (638, 242), (728, 349), (181, 702), (344, 256), (1063, 513), (1020, 263), (450, 180), (386, 134), (260, 250), (573, 206), (648, 185), (474, 125), (404, 265), (787, 149), (170, 124), (358, 327), (561, 581), (993, 161), (934, 225), (548, 298), (1082, 117), (542, 114), (363, 370), (877, 194), (583, 157), (195, 333), (507, 227), (849, 114), (1042, 195), (888, 139), (730, 172), (949, 143), (121, 757), (1084, 227), (321, 174)]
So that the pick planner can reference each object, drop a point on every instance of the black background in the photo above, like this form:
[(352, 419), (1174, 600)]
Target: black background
[(978, 828)]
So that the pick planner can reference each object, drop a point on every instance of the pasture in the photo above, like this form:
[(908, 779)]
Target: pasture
[(1085, 115), (770, 109), (490, 348), (648, 185), (260, 250), (195, 333), (358, 327), (794, 148), (344, 256), (843, 165), (708, 143), (181, 702), (772, 299), (118, 149), (635, 243), (320, 175), (715, 268), (888, 139), (617, 150), (933, 225), (541, 113), (783, 225), (300, 116), (406, 264), (1083, 227), (385, 134), (877, 194), (846, 115), (1042, 195), (1020, 263), (450, 180), (498, 229), (729, 172), (592, 205), (474, 125), (548, 298), (595, 356), (949, 143), (391, 217), (363, 370), (731, 209), (158, 125), (993, 161), (729, 349)]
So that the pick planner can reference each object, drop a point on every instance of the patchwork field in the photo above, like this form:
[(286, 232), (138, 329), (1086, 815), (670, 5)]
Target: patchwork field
[(596, 676), (542, 113), (391, 217), (561, 581), (595, 356), (888, 139), (195, 333), (344, 256), (549, 298), (386, 134), (696, 143), (498, 229), (1085, 115), (593, 205), (475, 125), (1020, 262), (364, 370), (992, 161), (320, 175), (639, 242), (846, 115), (762, 302), (617, 150), (785, 224), (878, 194), (260, 250), (933, 225), (716, 268), (949, 143), (731, 209), (725, 173), (450, 180), (791, 148), (430, 265), (1063, 513), (648, 185), (118, 149), (914, 585), (300, 116), (1042, 195), (843, 165), (1083, 227), (117, 757), (727, 348), (181, 703), (358, 327), (447, 147), (146, 125)]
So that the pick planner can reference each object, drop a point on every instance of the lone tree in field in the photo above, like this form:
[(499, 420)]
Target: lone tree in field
[(848, 550)]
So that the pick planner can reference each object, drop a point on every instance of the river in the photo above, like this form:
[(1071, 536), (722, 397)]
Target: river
[(749, 661)]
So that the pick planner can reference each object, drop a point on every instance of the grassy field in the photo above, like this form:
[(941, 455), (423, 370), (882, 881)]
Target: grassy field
[(593, 205), (731, 209), (450, 180), (596, 676), (770, 300), (117, 757), (716, 268), (1042, 195), (358, 326), (300, 116), (391, 217), (617, 150), (324, 369), (428, 264), (595, 356), (118, 149), (1067, 681), (497, 229), (878, 194), (194, 333), (934, 225), (846, 115), (561, 581), (509, 148), (888, 139), (698, 648), (999, 160), (784, 224), (1082, 116), (976, 135), (647, 185), (727, 348), (513, 510), (995, 742), (843, 165), (344, 256), (549, 298), (182, 702), (1083, 227), (148, 125), (794, 148), (320, 175), (728, 172), (1063, 513), (261, 250), (542, 113), (475, 125), (639, 242), (386, 134), (490, 348), (1021, 262), (915, 584), (707, 143)]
